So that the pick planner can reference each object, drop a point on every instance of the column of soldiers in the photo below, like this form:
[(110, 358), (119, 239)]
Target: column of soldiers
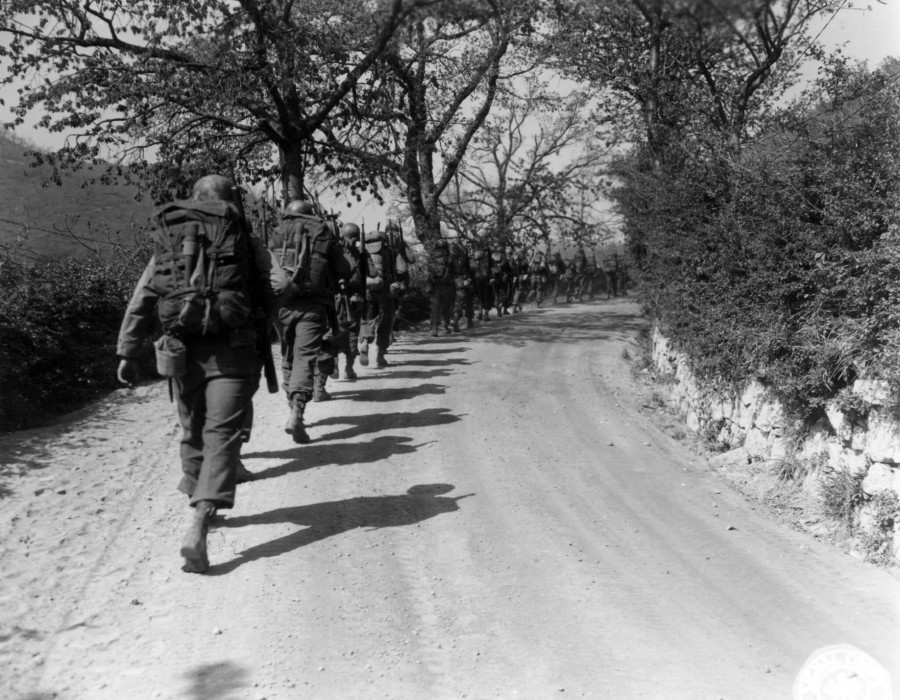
[(331, 294), (215, 291)]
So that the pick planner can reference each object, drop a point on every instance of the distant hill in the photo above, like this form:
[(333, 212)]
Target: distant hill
[(39, 220)]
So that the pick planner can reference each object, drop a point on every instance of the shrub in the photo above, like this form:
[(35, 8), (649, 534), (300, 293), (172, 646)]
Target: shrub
[(841, 497), (58, 328), (783, 265), (878, 540)]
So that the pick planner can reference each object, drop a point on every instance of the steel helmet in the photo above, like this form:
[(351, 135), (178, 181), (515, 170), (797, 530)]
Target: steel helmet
[(299, 206), (350, 231), (211, 187)]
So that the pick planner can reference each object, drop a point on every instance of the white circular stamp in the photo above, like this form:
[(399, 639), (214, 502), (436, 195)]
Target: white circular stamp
[(842, 672)]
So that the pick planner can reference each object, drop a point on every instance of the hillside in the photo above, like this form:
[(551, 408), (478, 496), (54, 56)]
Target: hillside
[(42, 219)]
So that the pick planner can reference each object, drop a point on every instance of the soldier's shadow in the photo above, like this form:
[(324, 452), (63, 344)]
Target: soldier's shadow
[(388, 394), (312, 456), (406, 374), (321, 520), (362, 425), (432, 363)]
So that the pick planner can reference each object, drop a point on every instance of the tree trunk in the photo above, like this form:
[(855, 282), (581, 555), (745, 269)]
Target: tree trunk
[(293, 173)]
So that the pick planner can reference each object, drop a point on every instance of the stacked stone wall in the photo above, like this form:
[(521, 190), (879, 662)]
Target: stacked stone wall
[(865, 443)]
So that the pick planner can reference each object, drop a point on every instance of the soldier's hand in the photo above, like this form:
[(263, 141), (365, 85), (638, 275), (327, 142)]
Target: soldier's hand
[(128, 371)]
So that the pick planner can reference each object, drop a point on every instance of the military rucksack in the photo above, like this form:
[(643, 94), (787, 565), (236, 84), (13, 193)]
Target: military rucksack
[(440, 264), (380, 259), (580, 262), (202, 271), (480, 264), (306, 241)]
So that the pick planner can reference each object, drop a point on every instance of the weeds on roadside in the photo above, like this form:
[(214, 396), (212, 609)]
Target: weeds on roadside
[(841, 497), (789, 470), (877, 541)]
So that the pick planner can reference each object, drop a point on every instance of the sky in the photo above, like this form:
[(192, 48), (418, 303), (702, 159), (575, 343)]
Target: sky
[(868, 30)]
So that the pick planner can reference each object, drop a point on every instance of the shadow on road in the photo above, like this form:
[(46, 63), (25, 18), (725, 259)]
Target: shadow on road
[(595, 322), (322, 520), (216, 681), (407, 374), (307, 457), (416, 350), (383, 395), (376, 422), (431, 363)]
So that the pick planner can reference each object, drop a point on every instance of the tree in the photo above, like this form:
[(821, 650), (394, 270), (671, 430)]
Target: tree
[(692, 68), (175, 82), (533, 171), (412, 121)]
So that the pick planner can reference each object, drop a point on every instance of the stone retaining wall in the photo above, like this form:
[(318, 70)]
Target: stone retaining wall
[(868, 446)]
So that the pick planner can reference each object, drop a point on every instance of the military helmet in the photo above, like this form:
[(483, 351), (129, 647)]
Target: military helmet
[(392, 227), (349, 230), (211, 187), (299, 206)]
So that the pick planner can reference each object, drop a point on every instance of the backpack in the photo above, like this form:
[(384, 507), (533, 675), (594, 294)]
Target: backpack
[(306, 242), (480, 264), (202, 268), (440, 264), (380, 259), (580, 262)]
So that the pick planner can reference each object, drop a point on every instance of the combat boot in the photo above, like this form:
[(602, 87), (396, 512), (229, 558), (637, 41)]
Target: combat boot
[(380, 360), (319, 392), (456, 325), (243, 474), (447, 329), (294, 427), (363, 352), (349, 372), (469, 323), (193, 549), (434, 331)]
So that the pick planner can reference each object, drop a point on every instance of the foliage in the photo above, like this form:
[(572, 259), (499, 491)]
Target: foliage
[(878, 540), (412, 119), (164, 85), (531, 172), (841, 496), (784, 265), (58, 328)]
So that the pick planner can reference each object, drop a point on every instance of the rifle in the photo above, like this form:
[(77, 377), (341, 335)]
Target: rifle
[(363, 273), (261, 312)]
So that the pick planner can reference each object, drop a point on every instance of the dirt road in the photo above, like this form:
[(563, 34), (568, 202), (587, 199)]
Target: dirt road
[(488, 517)]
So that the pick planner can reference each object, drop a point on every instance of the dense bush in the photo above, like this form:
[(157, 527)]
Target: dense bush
[(783, 264), (58, 327)]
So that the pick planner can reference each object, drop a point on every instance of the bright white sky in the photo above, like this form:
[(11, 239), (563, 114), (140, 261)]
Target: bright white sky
[(868, 29)]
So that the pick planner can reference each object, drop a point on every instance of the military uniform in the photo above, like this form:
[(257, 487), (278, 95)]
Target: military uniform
[(441, 286), (556, 272), (210, 350), (382, 292), (309, 312), (349, 301)]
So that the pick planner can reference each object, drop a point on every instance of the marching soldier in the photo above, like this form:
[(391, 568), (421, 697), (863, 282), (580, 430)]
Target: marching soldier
[(382, 292), (465, 287), (318, 264), (208, 282), (349, 301), (441, 285)]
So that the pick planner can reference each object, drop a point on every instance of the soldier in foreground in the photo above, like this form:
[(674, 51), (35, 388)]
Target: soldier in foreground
[(308, 312), (206, 280)]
